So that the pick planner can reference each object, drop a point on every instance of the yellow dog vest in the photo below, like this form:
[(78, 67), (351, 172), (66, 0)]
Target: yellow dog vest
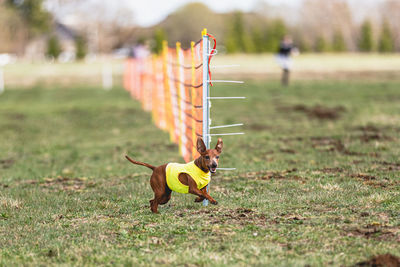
[(174, 169)]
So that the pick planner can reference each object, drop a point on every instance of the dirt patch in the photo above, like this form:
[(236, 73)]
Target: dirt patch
[(268, 175), (389, 166), (324, 143), (331, 170), (368, 137), (363, 176), (371, 133), (364, 214), (385, 260), (318, 111), (6, 163), (378, 232), (288, 150), (288, 219), (15, 116), (295, 138), (170, 146), (367, 128), (258, 127), (63, 184), (238, 216), (374, 181)]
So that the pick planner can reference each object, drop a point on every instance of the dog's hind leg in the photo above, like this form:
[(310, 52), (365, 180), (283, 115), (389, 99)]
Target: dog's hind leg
[(166, 197), (158, 184), (154, 204), (159, 200)]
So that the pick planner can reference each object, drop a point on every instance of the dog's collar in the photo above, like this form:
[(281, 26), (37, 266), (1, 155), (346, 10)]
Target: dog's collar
[(204, 170), (207, 170)]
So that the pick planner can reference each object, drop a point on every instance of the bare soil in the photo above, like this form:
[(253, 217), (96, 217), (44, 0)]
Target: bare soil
[(385, 260), (317, 112)]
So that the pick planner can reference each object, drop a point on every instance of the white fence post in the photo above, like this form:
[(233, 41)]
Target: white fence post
[(107, 77), (206, 101), (1, 80)]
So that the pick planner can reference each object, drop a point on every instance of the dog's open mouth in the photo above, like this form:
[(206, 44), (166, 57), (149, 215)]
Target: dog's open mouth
[(213, 169)]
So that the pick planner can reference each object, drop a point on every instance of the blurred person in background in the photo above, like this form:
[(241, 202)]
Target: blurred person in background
[(141, 49), (286, 50)]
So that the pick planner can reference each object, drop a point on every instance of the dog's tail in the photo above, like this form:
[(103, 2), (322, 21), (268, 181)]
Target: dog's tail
[(140, 163)]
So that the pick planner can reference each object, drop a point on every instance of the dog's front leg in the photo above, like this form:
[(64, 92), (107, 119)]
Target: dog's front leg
[(202, 194), (200, 199)]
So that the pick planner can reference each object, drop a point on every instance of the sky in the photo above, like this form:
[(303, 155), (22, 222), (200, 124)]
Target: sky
[(150, 12)]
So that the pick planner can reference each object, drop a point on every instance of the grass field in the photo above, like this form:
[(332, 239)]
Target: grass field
[(341, 66), (317, 179)]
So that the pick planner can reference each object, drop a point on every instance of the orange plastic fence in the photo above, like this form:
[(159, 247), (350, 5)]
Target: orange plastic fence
[(170, 86)]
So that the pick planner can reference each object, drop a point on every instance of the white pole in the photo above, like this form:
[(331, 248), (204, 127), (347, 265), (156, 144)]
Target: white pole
[(224, 66), (1, 80), (227, 97), (225, 81), (221, 134), (227, 125), (206, 103), (107, 77)]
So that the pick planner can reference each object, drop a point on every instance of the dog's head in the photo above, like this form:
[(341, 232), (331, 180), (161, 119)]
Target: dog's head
[(210, 157)]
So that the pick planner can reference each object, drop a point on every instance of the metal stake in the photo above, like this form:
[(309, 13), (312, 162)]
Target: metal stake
[(206, 93), (1, 80)]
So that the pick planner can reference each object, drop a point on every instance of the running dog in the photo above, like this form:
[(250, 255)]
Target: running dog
[(192, 177)]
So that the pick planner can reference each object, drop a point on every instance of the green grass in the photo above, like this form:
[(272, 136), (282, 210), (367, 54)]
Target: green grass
[(24, 74), (316, 66), (307, 190)]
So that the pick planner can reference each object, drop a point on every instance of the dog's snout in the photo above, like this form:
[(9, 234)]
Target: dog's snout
[(214, 165)]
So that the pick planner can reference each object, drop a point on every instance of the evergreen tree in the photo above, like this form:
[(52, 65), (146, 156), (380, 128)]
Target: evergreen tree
[(321, 45), (366, 40), (53, 47), (386, 42), (338, 44), (159, 37), (32, 11), (249, 46), (258, 41), (80, 46), (230, 45), (238, 31), (304, 44), (275, 32), (235, 42)]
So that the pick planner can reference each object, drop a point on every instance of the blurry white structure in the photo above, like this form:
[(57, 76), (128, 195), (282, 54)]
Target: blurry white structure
[(4, 60), (141, 51), (107, 77), (1, 80)]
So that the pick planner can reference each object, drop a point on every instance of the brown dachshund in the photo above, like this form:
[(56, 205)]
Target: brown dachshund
[(192, 177)]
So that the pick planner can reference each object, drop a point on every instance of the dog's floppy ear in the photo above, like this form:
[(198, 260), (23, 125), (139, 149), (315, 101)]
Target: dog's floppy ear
[(219, 145), (201, 147)]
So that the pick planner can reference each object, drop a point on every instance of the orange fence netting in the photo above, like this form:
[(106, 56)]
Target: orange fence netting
[(170, 85)]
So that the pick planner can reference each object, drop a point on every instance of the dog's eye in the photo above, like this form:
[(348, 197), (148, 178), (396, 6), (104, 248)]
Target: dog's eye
[(217, 157), (207, 157)]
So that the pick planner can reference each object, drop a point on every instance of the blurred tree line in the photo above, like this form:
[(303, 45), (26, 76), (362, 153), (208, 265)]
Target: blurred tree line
[(324, 26), (316, 26), (25, 20)]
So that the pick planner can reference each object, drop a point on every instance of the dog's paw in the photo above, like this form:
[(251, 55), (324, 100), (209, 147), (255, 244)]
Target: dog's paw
[(214, 202), (198, 199)]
